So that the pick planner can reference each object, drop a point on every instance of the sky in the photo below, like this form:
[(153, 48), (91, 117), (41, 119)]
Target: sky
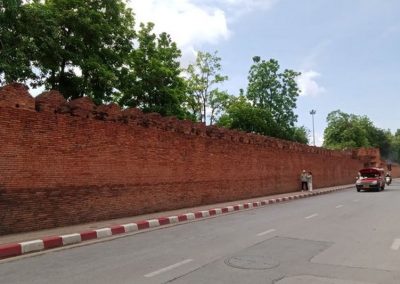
[(348, 51)]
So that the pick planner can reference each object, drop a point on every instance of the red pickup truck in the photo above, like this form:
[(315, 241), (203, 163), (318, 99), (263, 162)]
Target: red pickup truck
[(371, 179)]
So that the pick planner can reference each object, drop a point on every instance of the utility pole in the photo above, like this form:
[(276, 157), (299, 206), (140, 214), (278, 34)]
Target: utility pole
[(312, 112)]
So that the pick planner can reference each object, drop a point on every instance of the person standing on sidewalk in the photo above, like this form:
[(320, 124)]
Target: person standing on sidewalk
[(304, 180), (309, 181)]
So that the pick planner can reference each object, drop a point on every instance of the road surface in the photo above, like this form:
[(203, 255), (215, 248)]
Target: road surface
[(344, 237)]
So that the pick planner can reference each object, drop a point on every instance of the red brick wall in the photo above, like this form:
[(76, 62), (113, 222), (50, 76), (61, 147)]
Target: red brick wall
[(67, 163), (395, 170)]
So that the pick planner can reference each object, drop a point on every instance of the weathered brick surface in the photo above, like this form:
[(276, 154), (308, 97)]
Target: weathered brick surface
[(16, 95), (81, 163), (49, 101)]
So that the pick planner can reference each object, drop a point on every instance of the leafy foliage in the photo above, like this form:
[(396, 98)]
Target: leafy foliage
[(75, 46), (301, 135), (153, 81), (276, 93), (242, 115), (15, 48), (394, 153), (90, 48), (219, 101), (344, 131), (267, 107), (203, 76), (352, 131)]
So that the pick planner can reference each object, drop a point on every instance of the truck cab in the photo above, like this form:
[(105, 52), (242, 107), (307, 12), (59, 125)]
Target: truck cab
[(371, 179)]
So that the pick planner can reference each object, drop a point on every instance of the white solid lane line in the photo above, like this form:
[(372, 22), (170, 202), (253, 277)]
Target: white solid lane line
[(311, 216), (339, 206), (266, 232), (165, 269), (396, 244), (356, 200)]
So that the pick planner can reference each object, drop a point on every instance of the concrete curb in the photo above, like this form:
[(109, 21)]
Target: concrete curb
[(50, 242)]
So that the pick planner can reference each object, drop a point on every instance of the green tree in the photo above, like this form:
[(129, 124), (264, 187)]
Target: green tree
[(219, 102), (376, 137), (78, 45), (352, 131), (344, 131), (15, 48), (203, 76), (241, 115), (301, 135), (395, 147), (90, 48), (276, 93), (153, 81)]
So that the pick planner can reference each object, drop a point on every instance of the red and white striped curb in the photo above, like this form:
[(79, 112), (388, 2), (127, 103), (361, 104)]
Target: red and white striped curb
[(15, 249)]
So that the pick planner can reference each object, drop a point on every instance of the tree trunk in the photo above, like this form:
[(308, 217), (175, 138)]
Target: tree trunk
[(204, 113), (53, 79), (62, 73)]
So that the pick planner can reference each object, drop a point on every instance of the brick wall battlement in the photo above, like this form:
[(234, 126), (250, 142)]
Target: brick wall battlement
[(17, 96), (64, 163)]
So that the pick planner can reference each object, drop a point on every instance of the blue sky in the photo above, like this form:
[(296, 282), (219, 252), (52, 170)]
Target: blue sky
[(347, 50)]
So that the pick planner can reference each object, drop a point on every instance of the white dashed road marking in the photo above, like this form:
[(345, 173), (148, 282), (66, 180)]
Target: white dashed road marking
[(356, 200), (339, 206), (396, 244), (266, 232), (165, 269), (311, 216)]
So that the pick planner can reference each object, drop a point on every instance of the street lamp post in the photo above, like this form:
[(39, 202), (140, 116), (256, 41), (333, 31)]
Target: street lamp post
[(312, 112)]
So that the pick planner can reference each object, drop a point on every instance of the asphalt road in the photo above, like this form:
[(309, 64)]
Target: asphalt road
[(343, 237)]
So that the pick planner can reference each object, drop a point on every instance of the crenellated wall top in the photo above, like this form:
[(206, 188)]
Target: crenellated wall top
[(17, 96)]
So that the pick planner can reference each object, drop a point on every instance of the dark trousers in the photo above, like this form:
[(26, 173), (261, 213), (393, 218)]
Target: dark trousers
[(304, 185)]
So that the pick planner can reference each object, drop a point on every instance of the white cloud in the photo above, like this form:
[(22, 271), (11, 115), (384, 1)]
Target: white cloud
[(189, 25), (249, 4), (308, 84), (235, 9), (192, 23)]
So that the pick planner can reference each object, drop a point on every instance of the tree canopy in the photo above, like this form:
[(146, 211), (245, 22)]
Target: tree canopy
[(268, 105), (394, 153), (15, 47), (242, 115), (75, 46), (90, 48), (346, 131), (203, 79), (152, 79), (274, 92)]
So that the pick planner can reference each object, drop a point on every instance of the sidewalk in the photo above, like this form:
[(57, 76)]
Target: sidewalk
[(22, 243)]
